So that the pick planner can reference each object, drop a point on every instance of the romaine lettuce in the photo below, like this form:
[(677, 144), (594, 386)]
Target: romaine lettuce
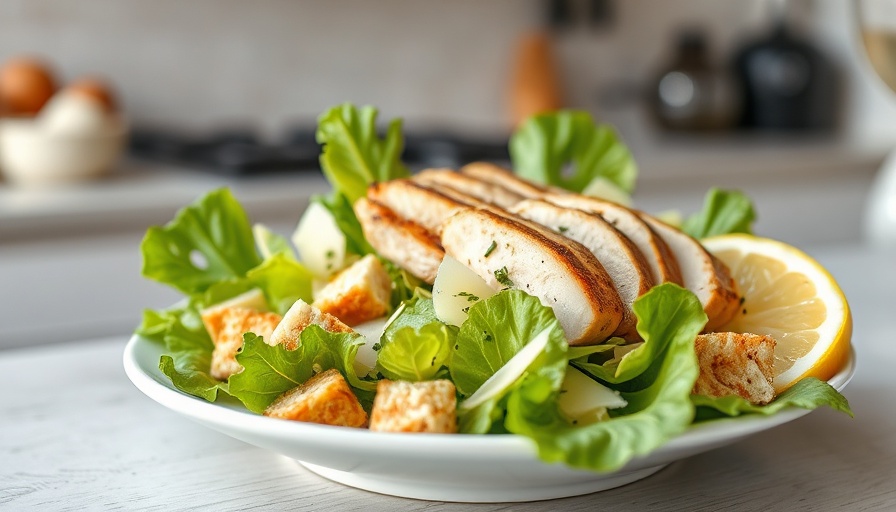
[(724, 212), (496, 329), (659, 405), (417, 354), (268, 371), (353, 155), (545, 145), (189, 355), (808, 393), (208, 241)]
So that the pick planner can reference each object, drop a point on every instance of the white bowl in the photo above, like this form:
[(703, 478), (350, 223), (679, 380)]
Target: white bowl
[(32, 155), (461, 468)]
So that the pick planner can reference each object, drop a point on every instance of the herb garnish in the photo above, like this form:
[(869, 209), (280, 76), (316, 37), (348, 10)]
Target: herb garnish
[(490, 248), (470, 297), (501, 276)]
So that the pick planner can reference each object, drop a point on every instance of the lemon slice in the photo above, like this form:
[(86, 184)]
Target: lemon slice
[(789, 296)]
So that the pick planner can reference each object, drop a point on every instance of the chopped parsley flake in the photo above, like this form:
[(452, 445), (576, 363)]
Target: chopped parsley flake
[(330, 254), (470, 297), (490, 248), (563, 229), (377, 347), (501, 276)]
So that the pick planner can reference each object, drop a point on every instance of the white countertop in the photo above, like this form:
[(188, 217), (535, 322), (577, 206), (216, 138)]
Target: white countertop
[(76, 435)]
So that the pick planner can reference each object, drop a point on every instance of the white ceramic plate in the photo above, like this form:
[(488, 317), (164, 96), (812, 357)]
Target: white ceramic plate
[(463, 468)]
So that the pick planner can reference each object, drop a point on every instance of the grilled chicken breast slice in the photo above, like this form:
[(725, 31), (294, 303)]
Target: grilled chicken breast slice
[(623, 261), (482, 190), (403, 242), (424, 205), (702, 273), (663, 265), (504, 177), (564, 275)]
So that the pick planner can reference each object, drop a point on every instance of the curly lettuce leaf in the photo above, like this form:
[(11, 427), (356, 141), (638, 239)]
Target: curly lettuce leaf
[(495, 330), (664, 314), (545, 145), (269, 371), (189, 356), (353, 154), (283, 281), (415, 312), (208, 241), (724, 212), (658, 409), (416, 354), (809, 393)]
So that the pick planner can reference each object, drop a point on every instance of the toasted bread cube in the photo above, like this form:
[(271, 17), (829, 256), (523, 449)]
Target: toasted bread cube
[(300, 316), (357, 294), (736, 364), (226, 326), (402, 406), (325, 398)]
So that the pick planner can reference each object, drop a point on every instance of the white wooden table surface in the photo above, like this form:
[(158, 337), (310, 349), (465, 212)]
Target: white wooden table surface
[(76, 435)]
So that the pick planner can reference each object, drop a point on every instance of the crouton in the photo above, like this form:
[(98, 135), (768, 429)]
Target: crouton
[(300, 316), (402, 406), (736, 364), (358, 293), (325, 398), (226, 326)]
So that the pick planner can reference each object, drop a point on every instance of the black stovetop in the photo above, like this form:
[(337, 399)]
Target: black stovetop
[(239, 152)]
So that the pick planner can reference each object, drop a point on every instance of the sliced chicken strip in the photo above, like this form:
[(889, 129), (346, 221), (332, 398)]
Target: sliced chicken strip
[(623, 261), (403, 242), (504, 177), (412, 201), (482, 190), (663, 265), (564, 275), (702, 273)]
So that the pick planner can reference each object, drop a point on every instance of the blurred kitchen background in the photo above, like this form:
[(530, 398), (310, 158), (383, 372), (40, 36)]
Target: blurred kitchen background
[(774, 98)]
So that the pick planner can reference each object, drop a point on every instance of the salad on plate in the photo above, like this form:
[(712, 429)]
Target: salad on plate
[(536, 302)]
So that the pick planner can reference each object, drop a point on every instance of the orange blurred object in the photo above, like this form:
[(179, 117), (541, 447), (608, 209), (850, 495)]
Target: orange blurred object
[(535, 85), (95, 89), (25, 86)]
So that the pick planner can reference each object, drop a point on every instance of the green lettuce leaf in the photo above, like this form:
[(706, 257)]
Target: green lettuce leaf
[(189, 356), (269, 371), (724, 212), (416, 312), (341, 209), (809, 393), (155, 324), (495, 330), (207, 242), (663, 314), (545, 145), (353, 155), (270, 243), (658, 409), (417, 354), (283, 281)]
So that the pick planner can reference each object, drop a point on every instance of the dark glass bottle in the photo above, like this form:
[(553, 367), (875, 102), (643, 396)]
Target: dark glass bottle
[(787, 84)]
